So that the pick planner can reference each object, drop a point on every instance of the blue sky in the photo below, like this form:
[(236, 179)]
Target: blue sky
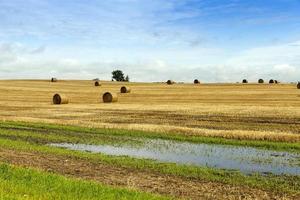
[(151, 40)]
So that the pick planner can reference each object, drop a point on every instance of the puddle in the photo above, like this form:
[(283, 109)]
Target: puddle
[(245, 159)]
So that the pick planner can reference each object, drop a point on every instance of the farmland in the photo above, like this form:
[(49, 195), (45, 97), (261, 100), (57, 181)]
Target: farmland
[(262, 116)]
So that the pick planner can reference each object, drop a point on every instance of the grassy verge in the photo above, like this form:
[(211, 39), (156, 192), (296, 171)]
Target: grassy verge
[(21, 183), (93, 133), (282, 184)]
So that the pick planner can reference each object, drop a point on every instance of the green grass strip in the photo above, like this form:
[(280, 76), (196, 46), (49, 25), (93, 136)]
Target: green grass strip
[(277, 146), (282, 184), (23, 183)]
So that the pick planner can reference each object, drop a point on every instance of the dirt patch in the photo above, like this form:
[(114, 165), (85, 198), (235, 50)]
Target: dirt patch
[(130, 178)]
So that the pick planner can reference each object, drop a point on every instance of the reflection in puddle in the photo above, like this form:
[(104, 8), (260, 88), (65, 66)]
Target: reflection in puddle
[(245, 159)]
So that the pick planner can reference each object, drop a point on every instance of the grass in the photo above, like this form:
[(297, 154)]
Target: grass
[(289, 184), (77, 134), (21, 183)]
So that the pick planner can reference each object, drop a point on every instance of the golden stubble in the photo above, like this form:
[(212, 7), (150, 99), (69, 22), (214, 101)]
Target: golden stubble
[(249, 111)]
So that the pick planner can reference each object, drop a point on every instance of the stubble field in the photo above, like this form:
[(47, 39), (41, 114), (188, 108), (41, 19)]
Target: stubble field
[(266, 112), (263, 116)]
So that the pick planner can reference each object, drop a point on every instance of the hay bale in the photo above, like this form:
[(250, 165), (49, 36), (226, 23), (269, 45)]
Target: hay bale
[(97, 83), (125, 89), (196, 81), (53, 80), (170, 82), (271, 81), (298, 85), (109, 97), (261, 81), (60, 99), (245, 81)]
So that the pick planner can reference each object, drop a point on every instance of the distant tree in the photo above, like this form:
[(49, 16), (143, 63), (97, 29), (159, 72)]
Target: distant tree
[(118, 75), (127, 78)]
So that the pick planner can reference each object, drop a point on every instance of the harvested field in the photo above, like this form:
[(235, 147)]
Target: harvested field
[(253, 111), (263, 119)]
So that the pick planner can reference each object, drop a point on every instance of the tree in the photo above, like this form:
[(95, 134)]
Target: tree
[(118, 75), (127, 78)]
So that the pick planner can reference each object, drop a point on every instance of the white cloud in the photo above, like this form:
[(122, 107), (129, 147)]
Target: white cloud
[(6, 54), (150, 40), (280, 62), (285, 68)]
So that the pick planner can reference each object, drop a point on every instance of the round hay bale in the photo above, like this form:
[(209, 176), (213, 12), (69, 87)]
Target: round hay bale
[(245, 81), (60, 99), (97, 83), (261, 81), (53, 80), (298, 85), (196, 81), (109, 97), (170, 82), (125, 89), (271, 81)]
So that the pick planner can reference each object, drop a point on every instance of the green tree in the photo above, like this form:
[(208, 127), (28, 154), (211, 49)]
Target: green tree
[(118, 75), (127, 78)]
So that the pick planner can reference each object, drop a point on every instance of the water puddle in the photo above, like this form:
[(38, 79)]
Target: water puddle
[(245, 159)]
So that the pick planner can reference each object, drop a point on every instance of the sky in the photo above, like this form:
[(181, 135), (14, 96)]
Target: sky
[(151, 40)]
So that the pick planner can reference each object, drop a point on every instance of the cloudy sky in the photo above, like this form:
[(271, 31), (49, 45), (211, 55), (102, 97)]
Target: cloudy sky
[(151, 40)]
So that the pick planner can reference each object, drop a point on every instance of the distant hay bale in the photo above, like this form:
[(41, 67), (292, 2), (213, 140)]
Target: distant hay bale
[(261, 81), (170, 82), (245, 81), (109, 97), (53, 80), (298, 85), (60, 99), (125, 89), (196, 81), (271, 81), (97, 83)]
